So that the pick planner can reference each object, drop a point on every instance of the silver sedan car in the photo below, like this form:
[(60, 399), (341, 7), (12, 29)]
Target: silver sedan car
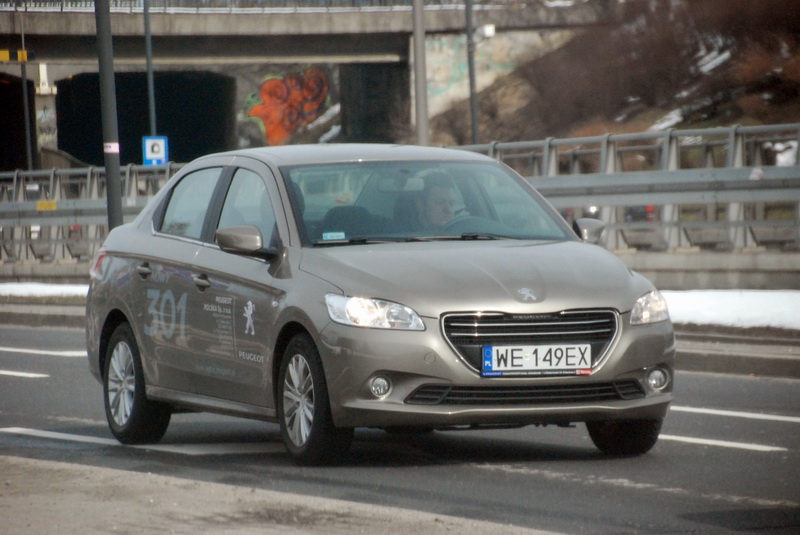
[(330, 287)]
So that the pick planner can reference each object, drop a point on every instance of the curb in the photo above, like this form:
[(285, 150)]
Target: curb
[(30, 315), (712, 360)]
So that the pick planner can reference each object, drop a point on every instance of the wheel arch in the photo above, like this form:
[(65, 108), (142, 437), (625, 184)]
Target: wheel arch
[(289, 331)]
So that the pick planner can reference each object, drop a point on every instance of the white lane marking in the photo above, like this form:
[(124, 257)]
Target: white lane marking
[(722, 443), (738, 414), (58, 436), (25, 375), (234, 448), (619, 482), (70, 354)]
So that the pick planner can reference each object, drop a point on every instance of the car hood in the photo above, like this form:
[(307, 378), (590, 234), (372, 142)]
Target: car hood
[(444, 276)]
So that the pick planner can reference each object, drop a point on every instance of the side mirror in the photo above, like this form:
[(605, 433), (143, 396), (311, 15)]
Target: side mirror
[(245, 241), (588, 229)]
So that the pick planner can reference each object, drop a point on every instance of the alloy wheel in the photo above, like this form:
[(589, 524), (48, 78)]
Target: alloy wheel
[(121, 383), (298, 400)]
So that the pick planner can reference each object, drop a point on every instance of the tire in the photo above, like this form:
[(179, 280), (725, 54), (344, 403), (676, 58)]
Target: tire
[(304, 407), (624, 437), (133, 418)]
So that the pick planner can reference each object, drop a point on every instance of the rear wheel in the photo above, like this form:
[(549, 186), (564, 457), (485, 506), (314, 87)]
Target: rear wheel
[(624, 437), (133, 418), (304, 407)]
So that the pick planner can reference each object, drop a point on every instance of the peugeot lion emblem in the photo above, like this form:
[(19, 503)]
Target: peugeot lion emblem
[(527, 294)]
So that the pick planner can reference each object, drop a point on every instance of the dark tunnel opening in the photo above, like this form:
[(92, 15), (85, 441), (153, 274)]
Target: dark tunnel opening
[(13, 153), (194, 110)]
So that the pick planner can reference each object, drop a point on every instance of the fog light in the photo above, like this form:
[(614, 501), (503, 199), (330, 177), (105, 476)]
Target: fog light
[(657, 378), (380, 386)]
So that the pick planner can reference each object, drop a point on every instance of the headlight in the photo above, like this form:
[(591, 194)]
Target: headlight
[(649, 308), (375, 313)]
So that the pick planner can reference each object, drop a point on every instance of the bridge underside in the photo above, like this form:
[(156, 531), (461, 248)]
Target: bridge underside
[(194, 50), (365, 78)]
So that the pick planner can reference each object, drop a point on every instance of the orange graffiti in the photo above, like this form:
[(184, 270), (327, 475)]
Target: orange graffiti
[(290, 102)]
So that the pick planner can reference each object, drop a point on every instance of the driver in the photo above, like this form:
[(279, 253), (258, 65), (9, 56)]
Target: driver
[(436, 202)]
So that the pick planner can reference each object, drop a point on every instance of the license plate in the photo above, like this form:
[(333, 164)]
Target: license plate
[(556, 359)]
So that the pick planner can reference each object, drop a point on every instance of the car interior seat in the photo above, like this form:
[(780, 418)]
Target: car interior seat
[(405, 214), (352, 221)]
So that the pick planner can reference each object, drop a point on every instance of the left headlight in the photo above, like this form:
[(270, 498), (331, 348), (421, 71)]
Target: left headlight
[(649, 308), (374, 313)]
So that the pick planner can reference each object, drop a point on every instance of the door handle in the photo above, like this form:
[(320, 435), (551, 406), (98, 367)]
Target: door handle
[(201, 281), (144, 270)]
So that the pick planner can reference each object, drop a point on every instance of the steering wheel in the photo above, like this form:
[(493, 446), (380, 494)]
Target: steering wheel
[(459, 225)]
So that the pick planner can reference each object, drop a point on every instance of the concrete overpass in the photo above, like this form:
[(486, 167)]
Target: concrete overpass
[(212, 66), (363, 32)]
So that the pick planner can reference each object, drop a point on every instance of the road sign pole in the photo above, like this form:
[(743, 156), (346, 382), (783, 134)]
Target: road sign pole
[(148, 48)]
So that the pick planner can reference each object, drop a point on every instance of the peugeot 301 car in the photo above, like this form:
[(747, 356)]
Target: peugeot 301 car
[(332, 287)]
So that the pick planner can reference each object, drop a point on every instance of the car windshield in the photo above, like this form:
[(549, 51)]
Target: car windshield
[(360, 202)]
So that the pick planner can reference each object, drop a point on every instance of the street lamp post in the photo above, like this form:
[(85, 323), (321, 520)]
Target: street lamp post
[(473, 97), (25, 101), (420, 75), (108, 105)]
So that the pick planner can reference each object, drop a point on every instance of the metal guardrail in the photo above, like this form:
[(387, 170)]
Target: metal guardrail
[(61, 214), (714, 188), (217, 6), (718, 189)]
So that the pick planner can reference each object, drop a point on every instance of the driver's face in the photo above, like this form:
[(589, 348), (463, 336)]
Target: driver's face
[(439, 207)]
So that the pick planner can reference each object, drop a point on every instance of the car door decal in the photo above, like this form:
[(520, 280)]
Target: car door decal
[(166, 314), (249, 309)]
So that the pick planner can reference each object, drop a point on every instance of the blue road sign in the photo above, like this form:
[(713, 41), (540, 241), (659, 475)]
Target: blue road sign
[(155, 150)]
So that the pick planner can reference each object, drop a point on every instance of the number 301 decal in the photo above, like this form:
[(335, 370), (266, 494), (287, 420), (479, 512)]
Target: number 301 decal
[(165, 314)]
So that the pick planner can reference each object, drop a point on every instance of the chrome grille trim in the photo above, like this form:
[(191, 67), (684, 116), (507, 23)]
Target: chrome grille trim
[(468, 332), (540, 333), (526, 395)]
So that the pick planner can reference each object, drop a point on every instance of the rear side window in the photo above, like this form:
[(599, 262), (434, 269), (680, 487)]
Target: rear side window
[(188, 204)]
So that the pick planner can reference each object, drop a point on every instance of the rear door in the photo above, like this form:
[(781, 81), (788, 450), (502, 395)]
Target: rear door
[(165, 288)]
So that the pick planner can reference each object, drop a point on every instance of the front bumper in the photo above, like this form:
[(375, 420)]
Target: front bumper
[(421, 365)]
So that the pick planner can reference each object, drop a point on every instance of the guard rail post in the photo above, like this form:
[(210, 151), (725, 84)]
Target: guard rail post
[(670, 213), (735, 214)]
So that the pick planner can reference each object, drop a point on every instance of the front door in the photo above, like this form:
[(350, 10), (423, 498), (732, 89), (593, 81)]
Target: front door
[(237, 312)]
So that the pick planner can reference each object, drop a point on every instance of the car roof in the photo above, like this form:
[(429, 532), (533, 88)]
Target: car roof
[(353, 152)]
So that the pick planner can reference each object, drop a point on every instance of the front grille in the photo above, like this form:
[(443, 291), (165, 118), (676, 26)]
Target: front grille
[(526, 395), (468, 333)]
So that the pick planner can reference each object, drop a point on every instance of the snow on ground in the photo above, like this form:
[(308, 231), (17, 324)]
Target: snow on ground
[(35, 289), (736, 308), (732, 308)]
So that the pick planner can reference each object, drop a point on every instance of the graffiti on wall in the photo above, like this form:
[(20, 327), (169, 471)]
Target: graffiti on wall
[(290, 102), (46, 127), (447, 66)]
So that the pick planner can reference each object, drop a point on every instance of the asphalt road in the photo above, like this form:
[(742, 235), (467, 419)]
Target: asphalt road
[(728, 461)]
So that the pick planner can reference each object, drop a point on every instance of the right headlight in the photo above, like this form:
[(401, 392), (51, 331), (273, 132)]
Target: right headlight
[(650, 308), (375, 313)]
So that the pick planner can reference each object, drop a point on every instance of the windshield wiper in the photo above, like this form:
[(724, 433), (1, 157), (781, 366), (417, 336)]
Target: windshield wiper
[(462, 237), (485, 236), (354, 241)]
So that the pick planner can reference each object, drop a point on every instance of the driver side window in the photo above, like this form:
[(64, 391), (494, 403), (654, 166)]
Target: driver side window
[(248, 203)]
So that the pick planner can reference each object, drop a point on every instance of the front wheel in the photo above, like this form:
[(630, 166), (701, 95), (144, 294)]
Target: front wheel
[(304, 407), (624, 437), (133, 418)]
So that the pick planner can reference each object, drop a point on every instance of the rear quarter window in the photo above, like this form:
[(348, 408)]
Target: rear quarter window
[(188, 203)]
